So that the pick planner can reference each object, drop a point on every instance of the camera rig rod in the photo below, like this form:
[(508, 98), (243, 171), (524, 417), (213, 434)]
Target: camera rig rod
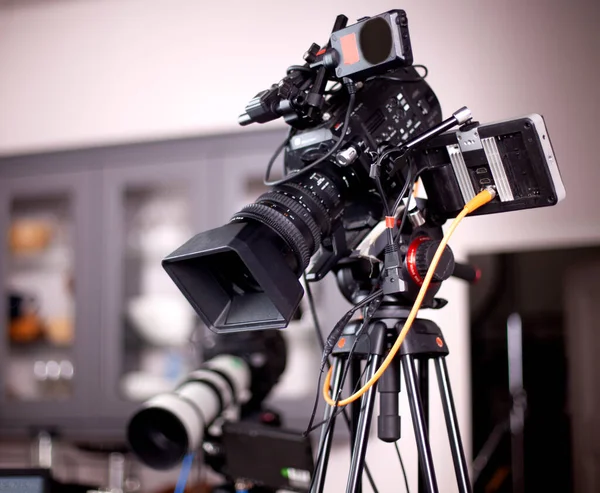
[(459, 117)]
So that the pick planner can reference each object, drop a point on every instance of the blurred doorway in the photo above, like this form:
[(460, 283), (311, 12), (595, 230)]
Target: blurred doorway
[(556, 294)]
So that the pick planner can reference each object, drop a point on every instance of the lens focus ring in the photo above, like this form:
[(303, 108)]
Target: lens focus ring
[(282, 226), (313, 202), (300, 209), (301, 212), (323, 189)]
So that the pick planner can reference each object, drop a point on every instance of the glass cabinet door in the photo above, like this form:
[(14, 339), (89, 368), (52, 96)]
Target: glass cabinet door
[(40, 294), (243, 178), (151, 326), (43, 222)]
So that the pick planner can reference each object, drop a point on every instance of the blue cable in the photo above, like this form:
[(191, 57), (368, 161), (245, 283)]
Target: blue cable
[(186, 467)]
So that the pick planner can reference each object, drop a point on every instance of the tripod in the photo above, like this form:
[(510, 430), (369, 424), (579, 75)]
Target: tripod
[(423, 343)]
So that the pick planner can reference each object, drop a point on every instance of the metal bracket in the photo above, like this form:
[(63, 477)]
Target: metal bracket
[(469, 140), (497, 168), (461, 172)]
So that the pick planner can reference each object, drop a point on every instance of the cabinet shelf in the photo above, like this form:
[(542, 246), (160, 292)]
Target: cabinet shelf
[(37, 348)]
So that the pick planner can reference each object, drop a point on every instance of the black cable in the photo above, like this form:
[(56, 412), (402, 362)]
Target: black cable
[(311, 304), (381, 192), (367, 300), (329, 421), (401, 79), (337, 412), (343, 412), (338, 329), (313, 311), (340, 410), (310, 427), (405, 212), (275, 155), (372, 298), (375, 175), (402, 466), (299, 68), (368, 473), (410, 181), (389, 152), (319, 331), (386, 207), (326, 156), (408, 178), (329, 345), (380, 159)]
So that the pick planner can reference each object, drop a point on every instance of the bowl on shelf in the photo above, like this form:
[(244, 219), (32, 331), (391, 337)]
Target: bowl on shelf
[(60, 331), (25, 324), (26, 328), (28, 236), (162, 320)]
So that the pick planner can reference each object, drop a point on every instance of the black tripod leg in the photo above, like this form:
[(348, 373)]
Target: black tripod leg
[(419, 424), (327, 431), (362, 432), (458, 454), (355, 407), (424, 386), (424, 393)]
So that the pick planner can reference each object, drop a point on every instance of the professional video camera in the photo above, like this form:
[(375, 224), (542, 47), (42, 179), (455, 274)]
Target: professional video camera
[(380, 114), (238, 373), (364, 127), (219, 409)]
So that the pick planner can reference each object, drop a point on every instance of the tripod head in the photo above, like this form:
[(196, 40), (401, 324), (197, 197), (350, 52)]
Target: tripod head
[(401, 270), (398, 264)]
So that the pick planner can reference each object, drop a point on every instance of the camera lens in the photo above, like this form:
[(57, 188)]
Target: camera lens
[(301, 212), (171, 424), (244, 275), (158, 437)]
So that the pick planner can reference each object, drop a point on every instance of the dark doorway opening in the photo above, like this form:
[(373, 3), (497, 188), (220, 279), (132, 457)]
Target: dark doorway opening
[(556, 294)]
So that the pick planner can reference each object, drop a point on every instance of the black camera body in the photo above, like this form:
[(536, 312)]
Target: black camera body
[(328, 211), (386, 115)]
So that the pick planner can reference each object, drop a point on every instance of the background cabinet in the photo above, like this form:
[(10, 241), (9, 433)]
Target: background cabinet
[(147, 330), (243, 175), (45, 229), (113, 329)]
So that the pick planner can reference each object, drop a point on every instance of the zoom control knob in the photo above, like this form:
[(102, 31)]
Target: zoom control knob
[(420, 255)]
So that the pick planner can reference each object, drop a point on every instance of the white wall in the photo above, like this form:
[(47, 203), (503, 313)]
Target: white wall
[(76, 73)]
